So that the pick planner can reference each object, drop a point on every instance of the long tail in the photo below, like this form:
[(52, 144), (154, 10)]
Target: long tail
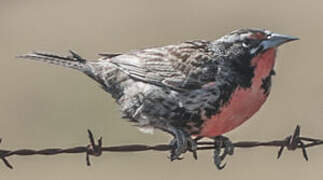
[(73, 61), (108, 75)]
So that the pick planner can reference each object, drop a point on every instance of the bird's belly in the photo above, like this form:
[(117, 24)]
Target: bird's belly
[(242, 105)]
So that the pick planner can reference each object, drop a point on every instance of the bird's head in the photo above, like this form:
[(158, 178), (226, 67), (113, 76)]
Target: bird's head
[(251, 53), (256, 41)]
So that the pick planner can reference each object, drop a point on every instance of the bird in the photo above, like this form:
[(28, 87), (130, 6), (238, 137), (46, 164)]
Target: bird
[(191, 90)]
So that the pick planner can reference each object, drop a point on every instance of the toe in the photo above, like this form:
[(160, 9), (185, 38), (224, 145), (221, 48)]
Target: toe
[(217, 159), (193, 147), (181, 144)]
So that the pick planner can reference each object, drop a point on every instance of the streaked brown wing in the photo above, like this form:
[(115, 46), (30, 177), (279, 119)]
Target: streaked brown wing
[(178, 67)]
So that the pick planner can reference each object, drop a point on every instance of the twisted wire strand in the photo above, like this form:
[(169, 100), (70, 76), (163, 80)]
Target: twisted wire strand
[(292, 142)]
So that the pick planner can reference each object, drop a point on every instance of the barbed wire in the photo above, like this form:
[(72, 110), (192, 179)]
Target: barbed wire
[(291, 142)]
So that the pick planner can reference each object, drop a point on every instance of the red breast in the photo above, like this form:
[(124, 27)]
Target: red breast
[(243, 102)]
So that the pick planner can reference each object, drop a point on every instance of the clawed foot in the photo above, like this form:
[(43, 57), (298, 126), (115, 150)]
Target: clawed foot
[(182, 143), (218, 156)]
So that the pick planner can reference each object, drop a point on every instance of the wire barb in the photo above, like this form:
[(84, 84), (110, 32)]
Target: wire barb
[(295, 141), (291, 143), (5, 161), (92, 148)]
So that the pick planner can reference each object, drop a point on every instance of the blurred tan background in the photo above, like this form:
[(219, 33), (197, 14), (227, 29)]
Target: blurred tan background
[(47, 106)]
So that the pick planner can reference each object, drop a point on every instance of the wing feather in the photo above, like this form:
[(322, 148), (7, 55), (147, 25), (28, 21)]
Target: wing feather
[(179, 67)]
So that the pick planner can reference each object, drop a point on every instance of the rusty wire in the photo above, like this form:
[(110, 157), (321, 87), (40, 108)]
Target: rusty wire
[(292, 142)]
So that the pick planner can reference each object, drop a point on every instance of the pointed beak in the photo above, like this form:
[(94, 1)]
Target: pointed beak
[(275, 40)]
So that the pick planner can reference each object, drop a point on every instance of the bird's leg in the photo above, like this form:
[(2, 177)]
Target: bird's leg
[(181, 143), (219, 143)]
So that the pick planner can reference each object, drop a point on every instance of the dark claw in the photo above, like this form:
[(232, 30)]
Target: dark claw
[(228, 146), (193, 147), (217, 158), (194, 154), (174, 152), (219, 143), (181, 143), (179, 146)]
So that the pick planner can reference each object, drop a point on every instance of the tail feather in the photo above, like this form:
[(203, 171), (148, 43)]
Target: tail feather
[(73, 61), (107, 74)]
